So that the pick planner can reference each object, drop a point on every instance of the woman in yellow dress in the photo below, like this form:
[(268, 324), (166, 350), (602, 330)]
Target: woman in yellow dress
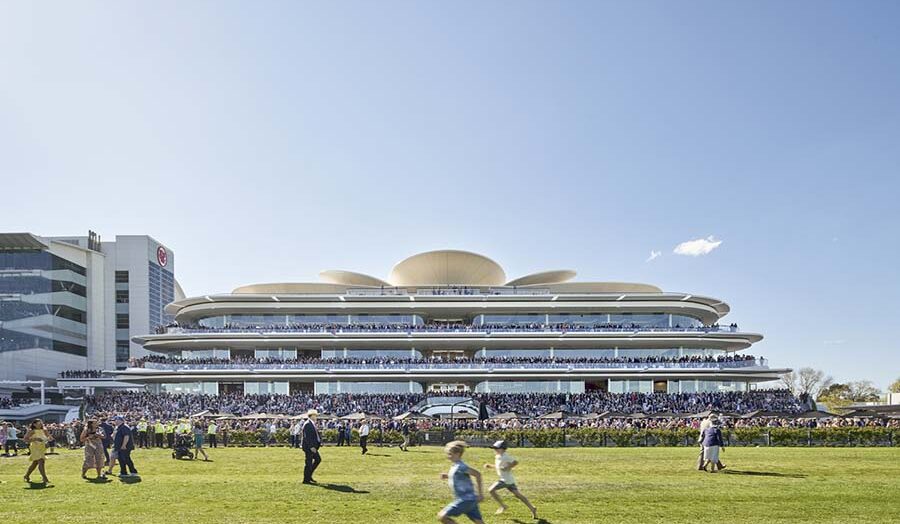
[(37, 439)]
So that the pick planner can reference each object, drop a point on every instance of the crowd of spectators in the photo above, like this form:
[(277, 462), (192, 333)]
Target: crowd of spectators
[(528, 405), (384, 361), (534, 404), (82, 373), (8, 403), (433, 327)]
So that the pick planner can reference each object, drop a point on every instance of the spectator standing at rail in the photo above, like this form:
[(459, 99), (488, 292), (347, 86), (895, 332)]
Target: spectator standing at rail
[(142, 433), (211, 434), (159, 431)]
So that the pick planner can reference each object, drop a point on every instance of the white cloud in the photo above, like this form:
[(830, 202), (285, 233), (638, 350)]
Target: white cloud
[(697, 247), (836, 342), (653, 255)]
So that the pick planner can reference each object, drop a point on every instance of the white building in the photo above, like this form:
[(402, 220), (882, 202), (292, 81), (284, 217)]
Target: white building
[(450, 321), (74, 303)]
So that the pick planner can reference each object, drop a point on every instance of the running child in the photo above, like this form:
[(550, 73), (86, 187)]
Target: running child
[(466, 501), (504, 464)]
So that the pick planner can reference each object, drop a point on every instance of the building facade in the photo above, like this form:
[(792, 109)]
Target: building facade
[(74, 303), (448, 321)]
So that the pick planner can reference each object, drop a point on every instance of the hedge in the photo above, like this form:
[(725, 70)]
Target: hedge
[(604, 437)]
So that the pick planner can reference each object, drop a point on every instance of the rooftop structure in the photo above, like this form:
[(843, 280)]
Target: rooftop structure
[(448, 321)]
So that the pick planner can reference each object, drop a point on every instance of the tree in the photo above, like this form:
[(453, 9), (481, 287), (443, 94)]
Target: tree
[(895, 387), (807, 381), (838, 396)]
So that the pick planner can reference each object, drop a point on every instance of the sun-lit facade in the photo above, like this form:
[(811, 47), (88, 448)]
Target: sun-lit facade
[(449, 321)]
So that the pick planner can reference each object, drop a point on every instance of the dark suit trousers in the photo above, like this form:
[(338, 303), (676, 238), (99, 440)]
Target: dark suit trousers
[(313, 459)]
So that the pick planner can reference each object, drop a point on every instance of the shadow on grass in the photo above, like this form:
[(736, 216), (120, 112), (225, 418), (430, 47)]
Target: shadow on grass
[(538, 521), (377, 455), (342, 488), (763, 474), (130, 480), (38, 485), (98, 480)]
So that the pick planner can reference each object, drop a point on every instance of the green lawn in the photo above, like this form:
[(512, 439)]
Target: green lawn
[(638, 485)]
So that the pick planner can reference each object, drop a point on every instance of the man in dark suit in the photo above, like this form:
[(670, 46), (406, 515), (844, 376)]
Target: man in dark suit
[(124, 443), (310, 443)]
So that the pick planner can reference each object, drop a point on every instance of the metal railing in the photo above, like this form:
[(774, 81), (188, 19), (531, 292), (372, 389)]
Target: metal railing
[(486, 367)]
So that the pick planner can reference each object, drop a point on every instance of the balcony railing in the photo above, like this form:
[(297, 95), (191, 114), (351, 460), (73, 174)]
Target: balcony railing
[(487, 367), (472, 329)]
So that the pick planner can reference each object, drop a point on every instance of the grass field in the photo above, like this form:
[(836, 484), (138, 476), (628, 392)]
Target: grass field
[(583, 485)]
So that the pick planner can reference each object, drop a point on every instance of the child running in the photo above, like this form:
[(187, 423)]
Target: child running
[(466, 502), (504, 464)]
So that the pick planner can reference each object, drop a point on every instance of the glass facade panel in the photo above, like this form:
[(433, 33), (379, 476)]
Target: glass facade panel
[(41, 306), (196, 388), (584, 353), (528, 318), (266, 388), (330, 388), (631, 386), (547, 386), (386, 319), (371, 353), (162, 292), (580, 320), (514, 353), (278, 354)]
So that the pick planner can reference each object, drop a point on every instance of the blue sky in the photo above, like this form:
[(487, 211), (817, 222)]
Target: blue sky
[(265, 141)]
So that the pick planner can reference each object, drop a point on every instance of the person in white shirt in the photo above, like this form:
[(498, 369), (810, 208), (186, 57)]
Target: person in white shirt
[(296, 429), (363, 435), (504, 464)]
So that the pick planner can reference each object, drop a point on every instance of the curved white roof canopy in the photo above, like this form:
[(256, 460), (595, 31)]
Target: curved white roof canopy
[(350, 278), (555, 276), (450, 267), (447, 267)]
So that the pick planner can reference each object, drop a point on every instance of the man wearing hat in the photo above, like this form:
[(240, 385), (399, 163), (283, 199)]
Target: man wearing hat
[(310, 442)]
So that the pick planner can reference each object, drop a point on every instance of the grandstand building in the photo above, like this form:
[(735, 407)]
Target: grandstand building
[(448, 321)]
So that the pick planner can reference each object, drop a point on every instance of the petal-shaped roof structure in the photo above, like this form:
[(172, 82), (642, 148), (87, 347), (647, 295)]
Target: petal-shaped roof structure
[(350, 278), (447, 267), (544, 277)]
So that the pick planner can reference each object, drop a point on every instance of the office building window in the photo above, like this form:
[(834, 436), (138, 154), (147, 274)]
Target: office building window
[(121, 277), (122, 321), (121, 296), (122, 351)]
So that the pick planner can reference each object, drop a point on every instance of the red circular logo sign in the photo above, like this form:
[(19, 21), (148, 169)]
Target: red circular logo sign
[(162, 256)]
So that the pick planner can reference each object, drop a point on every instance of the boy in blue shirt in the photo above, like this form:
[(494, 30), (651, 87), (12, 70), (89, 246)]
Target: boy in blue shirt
[(466, 502)]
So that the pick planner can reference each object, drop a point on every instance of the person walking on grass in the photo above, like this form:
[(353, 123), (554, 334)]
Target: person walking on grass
[(364, 436), (405, 432), (701, 459), (198, 442), (112, 453), (310, 442), (37, 439), (712, 443), (92, 438), (459, 477), (504, 464), (124, 445)]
